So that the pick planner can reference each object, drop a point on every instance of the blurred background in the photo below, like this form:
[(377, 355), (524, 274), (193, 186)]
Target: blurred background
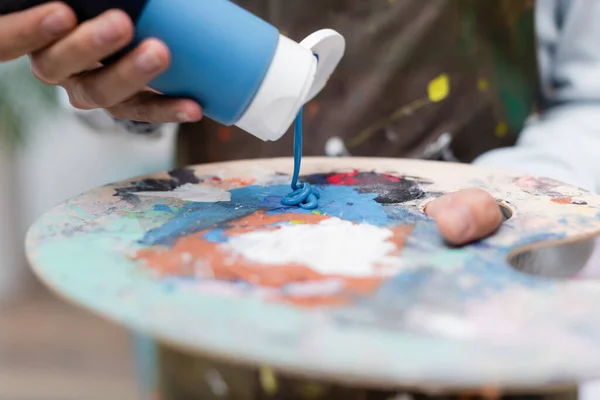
[(49, 349)]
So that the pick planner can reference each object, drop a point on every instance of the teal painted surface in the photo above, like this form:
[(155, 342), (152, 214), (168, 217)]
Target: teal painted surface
[(459, 317)]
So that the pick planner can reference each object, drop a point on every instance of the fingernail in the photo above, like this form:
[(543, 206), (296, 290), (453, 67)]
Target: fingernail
[(148, 61), (57, 23), (183, 117), (109, 31), (459, 220)]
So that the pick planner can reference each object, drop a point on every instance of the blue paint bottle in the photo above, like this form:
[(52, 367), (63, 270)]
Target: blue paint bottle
[(241, 69)]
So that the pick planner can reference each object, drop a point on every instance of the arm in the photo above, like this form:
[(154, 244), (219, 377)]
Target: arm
[(564, 140)]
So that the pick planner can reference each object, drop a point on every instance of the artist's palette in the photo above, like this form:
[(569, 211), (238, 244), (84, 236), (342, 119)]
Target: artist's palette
[(364, 290)]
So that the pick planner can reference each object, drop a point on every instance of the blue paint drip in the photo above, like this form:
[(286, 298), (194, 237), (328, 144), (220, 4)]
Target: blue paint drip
[(303, 195)]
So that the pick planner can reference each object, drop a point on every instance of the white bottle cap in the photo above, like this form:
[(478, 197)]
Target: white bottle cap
[(294, 77)]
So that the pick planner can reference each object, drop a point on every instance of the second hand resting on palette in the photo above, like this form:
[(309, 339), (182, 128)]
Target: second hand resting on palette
[(560, 144)]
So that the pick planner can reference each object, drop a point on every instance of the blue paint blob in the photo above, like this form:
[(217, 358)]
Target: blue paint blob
[(216, 236), (197, 217), (303, 195), (334, 203)]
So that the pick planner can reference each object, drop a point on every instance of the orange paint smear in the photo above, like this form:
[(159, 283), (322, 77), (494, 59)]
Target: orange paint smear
[(193, 256), (229, 184), (563, 200), (236, 183), (260, 221)]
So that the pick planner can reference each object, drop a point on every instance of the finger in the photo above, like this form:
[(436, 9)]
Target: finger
[(91, 42), (155, 108), (33, 29), (112, 85), (465, 216)]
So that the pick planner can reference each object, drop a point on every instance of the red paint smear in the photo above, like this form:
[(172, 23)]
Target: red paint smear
[(391, 178), (353, 178), (348, 178), (527, 182), (563, 200)]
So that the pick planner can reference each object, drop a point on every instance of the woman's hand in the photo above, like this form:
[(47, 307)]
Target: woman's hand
[(66, 54)]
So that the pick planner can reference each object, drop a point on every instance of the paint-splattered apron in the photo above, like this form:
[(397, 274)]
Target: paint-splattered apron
[(436, 79)]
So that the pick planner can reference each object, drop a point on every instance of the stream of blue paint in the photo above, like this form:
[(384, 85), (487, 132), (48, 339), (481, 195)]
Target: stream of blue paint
[(303, 194)]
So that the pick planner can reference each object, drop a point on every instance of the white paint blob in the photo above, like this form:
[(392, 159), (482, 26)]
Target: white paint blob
[(192, 192), (332, 247), (443, 324)]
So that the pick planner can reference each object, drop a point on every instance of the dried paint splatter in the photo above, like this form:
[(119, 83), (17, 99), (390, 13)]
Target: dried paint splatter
[(288, 270), (178, 177), (391, 189), (184, 185), (285, 254)]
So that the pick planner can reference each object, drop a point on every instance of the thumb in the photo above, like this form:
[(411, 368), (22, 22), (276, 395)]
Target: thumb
[(465, 216), (33, 29)]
